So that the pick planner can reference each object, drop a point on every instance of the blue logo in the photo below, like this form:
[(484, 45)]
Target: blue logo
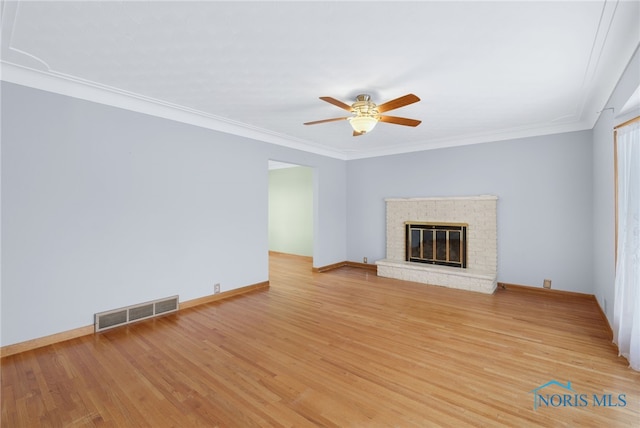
[(546, 395)]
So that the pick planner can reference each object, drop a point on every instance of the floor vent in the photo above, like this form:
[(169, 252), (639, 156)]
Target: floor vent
[(117, 317)]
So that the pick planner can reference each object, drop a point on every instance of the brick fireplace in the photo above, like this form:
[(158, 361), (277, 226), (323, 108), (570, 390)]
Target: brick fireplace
[(478, 213)]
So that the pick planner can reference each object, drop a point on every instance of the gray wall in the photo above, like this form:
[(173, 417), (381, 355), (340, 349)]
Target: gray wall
[(103, 208), (603, 186), (291, 210), (544, 207)]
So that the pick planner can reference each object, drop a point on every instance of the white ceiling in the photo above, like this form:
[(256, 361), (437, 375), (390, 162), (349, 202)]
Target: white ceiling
[(485, 71)]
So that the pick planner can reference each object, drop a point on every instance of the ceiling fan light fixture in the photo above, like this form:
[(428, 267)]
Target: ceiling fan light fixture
[(366, 113), (363, 124)]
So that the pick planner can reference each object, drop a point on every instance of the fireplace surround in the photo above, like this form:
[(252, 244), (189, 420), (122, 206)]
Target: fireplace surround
[(478, 215)]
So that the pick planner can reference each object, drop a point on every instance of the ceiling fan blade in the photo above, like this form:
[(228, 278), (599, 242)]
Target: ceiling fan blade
[(400, 120), (398, 102), (357, 134), (335, 119), (336, 103)]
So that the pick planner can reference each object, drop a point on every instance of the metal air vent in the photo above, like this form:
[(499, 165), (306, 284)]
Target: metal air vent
[(127, 315)]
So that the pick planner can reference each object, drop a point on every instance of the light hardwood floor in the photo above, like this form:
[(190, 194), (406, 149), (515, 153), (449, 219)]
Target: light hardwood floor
[(343, 348)]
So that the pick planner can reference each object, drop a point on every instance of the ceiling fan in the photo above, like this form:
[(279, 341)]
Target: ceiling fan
[(366, 114)]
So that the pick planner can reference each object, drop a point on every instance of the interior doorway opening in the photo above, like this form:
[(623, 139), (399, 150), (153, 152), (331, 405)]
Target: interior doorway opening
[(291, 201)]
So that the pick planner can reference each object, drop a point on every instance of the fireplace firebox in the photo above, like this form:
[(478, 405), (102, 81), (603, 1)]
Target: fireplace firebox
[(438, 244)]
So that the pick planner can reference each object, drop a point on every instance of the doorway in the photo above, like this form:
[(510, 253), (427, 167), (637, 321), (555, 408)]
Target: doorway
[(291, 196)]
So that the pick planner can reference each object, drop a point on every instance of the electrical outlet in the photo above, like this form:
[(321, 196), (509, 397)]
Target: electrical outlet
[(547, 283), (364, 260), (216, 288)]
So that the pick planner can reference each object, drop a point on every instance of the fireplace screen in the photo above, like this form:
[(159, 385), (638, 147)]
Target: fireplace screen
[(439, 244)]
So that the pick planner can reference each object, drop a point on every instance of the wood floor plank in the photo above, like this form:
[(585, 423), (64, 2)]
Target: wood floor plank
[(340, 348)]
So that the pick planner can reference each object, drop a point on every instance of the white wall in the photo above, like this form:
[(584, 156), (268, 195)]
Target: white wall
[(603, 186), (103, 208), (544, 206)]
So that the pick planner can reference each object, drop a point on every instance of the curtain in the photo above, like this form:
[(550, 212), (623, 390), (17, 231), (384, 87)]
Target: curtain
[(626, 312)]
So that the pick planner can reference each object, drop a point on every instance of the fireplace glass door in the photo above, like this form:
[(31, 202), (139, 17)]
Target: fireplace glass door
[(440, 244)]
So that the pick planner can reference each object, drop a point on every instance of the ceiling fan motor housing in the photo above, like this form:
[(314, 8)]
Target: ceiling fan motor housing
[(364, 106)]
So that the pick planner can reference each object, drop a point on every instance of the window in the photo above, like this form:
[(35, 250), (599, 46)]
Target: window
[(626, 311)]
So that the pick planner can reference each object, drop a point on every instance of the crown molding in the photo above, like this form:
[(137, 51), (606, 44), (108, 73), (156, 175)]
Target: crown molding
[(74, 87), (466, 140)]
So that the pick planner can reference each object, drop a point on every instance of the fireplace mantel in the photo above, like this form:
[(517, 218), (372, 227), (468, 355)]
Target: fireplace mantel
[(479, 212)]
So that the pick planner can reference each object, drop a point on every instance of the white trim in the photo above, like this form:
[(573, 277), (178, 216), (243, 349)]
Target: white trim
[(83, 89), (474, 139), (71, 86)]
